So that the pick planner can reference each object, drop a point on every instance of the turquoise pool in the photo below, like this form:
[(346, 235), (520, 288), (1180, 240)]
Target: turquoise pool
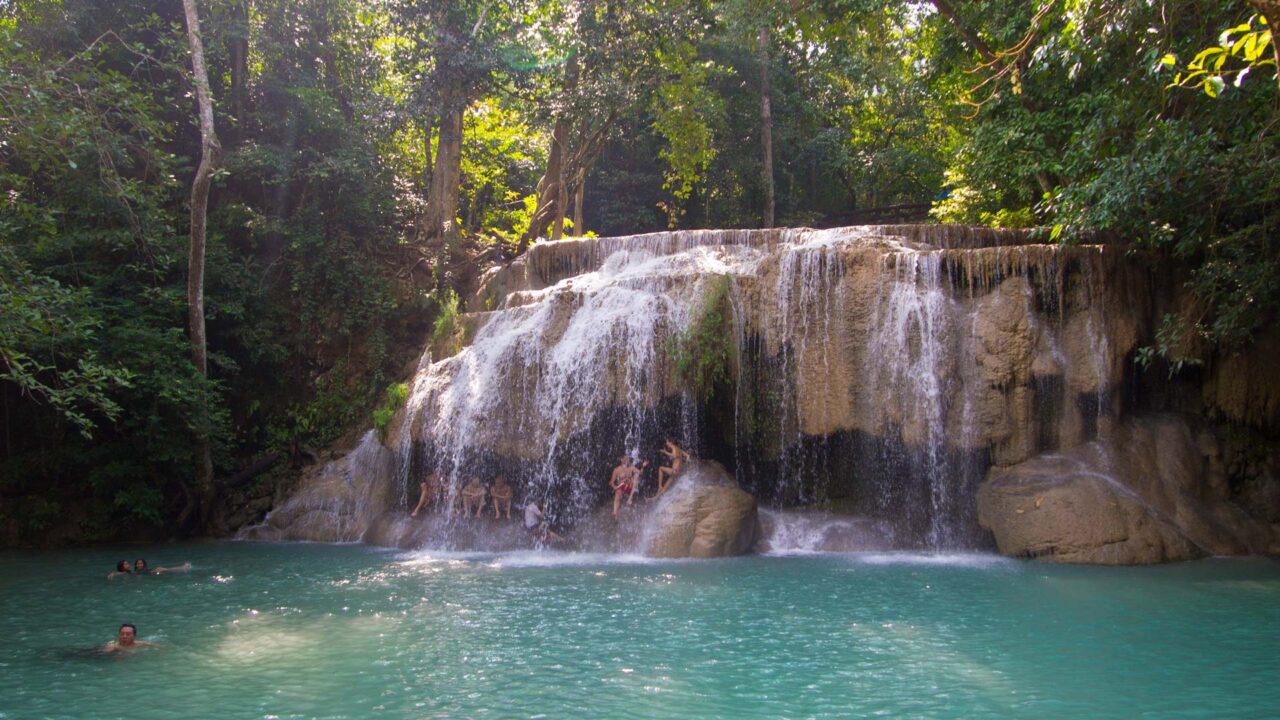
[(320, 631)]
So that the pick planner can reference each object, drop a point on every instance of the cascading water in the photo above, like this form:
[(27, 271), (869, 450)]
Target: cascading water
[(866, 371), (913, 323)]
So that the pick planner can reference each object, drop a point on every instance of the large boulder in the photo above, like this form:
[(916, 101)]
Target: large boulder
[(704, 514), (1063, 510), (1148, 493)]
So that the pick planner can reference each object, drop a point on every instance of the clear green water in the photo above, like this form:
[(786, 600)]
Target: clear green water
[(318, 631)]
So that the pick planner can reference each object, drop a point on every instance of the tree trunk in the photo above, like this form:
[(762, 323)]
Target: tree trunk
[(442, 199), (238, 50), (579, 192), (976, 43), (332, 75), (766, 129), (427, 165), (210, 155), (552, 193), (559, 138)]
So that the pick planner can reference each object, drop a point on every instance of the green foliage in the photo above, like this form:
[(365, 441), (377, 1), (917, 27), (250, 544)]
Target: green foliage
[(447, 329), (1209, 70), (685, 113), (500, 162), (315, 290), (703, 353), (47, 336), (392, 400), (1174, 344)]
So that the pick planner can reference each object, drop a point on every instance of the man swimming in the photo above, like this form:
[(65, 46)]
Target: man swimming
[(127, 640), (140, 568), (122, 568)]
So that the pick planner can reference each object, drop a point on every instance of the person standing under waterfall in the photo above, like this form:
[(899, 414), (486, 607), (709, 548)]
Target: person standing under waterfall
[(668, 474), (501, 494), (426, 488), (473, 496)]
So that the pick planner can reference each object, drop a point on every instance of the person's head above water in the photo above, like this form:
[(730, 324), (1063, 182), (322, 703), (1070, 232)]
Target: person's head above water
[(139, 565), (123, 566), (127, 634)]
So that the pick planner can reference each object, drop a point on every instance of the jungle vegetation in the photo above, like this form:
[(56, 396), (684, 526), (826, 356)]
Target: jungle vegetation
[(374, 156)]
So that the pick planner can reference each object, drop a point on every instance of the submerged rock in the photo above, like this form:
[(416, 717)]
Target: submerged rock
[(704, 514), (1146, 494)]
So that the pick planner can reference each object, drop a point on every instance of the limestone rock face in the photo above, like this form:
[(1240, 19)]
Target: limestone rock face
[(1147, 494), (1060, 509), (337, 501), (704, 514)]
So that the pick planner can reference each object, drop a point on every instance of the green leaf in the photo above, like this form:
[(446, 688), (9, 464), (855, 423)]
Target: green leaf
[(1213, 86)]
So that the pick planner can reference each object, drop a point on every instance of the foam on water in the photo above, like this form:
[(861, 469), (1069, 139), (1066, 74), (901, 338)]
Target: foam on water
[(524, 559), (963, 560)]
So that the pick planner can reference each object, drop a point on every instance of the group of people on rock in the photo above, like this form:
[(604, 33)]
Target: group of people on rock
[(624, 480), (626, 476), (472, 497)]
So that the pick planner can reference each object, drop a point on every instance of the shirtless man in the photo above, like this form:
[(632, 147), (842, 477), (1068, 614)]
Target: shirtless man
[(127, 640), (501, 493), (473, 496), (122, 568), (426, 488), (625, 480), (667, 475)]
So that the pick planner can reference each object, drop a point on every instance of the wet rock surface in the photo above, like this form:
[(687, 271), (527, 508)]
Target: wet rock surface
[(337, 501), (703, 515), (1151, 492)]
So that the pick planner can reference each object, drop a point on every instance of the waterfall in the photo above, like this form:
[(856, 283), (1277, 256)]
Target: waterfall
[(870, 374)]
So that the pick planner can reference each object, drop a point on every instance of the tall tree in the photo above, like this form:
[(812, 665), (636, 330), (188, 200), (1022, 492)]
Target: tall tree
[(210, 158), (619, 55), (461, 45), (766, 129)]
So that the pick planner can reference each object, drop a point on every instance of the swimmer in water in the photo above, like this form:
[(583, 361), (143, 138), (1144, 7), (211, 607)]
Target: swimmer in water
[(140, 568), (127, 640), (122, 568)]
